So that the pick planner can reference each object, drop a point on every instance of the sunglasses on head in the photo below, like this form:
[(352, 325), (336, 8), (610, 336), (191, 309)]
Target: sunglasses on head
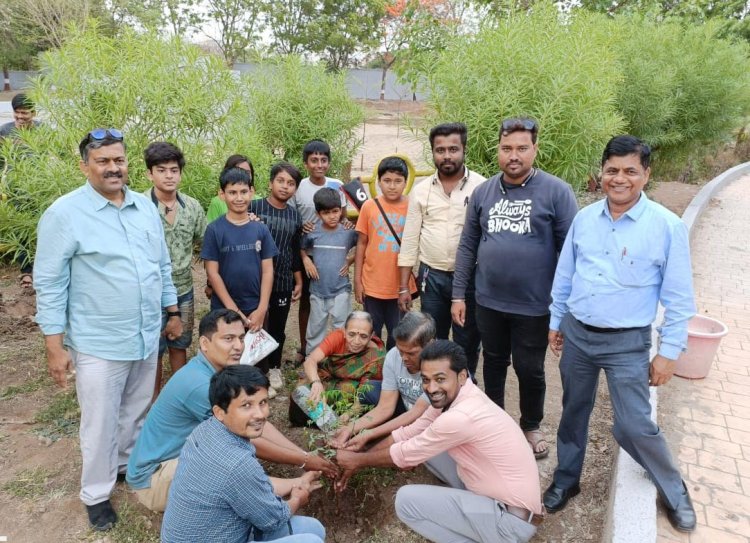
[(98, 134), (515, 124)]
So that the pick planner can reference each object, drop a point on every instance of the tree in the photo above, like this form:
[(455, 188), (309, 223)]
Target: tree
[(334, 30), (237, 25)]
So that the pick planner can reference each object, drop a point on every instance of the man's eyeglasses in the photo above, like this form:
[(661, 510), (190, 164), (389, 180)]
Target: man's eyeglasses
[(98, 134), (516, 124)]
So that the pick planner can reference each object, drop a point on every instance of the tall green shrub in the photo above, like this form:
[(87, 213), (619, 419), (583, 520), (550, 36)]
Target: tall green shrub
[(684, 86), (293, 103), (532, 64), (154, 89)]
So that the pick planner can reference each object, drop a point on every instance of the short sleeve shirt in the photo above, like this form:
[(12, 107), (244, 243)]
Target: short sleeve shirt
[(397, 377), (239, 250), (181, 236), (303, 198), (329, 249), (285, 227)]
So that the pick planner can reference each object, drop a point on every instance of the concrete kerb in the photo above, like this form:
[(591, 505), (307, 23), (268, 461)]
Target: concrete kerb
[(631, 514)]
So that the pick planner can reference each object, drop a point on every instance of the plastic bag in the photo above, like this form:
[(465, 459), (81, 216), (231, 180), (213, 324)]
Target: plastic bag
[(258, 345)]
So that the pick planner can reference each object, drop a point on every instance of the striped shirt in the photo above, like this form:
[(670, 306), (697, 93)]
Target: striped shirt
[(220, 492), (285, 227)]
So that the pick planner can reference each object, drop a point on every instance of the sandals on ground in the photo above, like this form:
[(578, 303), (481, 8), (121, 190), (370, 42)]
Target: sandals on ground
[(538, 444)]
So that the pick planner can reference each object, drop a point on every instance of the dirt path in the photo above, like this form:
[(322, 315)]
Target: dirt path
[(40, 458)]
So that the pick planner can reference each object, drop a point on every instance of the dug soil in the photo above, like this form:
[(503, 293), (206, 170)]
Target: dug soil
[(40, 456)]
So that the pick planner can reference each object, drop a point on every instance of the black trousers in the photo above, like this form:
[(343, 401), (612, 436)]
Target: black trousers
[(384, 313), (522, 340), (278, 312)]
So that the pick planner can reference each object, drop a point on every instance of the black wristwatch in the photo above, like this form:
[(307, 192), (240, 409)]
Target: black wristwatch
[(177, 313)]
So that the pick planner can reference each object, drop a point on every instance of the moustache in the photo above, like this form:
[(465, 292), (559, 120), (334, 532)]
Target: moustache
[(112, 174)]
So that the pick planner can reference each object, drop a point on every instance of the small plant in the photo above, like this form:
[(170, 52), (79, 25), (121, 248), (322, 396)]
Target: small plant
[(29, 484), (60, 418)]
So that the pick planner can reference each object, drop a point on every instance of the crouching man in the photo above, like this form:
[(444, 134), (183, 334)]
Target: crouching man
[(220, 492), (498, 495)]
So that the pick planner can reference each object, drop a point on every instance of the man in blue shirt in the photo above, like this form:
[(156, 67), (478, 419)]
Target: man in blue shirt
[(183, 404), (220, 492), (622, 256), (102, 276)]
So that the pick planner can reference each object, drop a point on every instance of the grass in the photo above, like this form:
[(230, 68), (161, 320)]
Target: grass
[(29, 484), (132, 526), (31, 385), (61, 417)]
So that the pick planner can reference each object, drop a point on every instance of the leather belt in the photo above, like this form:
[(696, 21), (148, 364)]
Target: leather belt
[(524, 514), (598, 330)]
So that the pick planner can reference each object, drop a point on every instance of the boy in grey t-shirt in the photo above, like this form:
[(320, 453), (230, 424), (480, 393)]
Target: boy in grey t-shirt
[(329, 246)]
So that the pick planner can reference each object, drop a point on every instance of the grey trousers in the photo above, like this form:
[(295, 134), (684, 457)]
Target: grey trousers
[(624, 357), (338, 308), (114, 396), (454, 515)]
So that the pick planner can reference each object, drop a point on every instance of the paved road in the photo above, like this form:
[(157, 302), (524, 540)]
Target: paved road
[(708, 421)]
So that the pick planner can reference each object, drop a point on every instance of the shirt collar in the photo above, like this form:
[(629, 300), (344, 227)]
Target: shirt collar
[(100, 202), (461, 184), (465, 392), (634, 213), (155, 200)]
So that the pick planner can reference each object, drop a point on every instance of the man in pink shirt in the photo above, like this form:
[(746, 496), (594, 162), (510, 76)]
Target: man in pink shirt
[(500, 496)]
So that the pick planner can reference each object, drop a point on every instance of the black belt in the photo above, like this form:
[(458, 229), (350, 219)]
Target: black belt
[(598, 330), (524, 514)]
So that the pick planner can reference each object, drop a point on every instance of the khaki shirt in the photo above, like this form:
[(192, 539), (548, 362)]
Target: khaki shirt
[(434, 222)]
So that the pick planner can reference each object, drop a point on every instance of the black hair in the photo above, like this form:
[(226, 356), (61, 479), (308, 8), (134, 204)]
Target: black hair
[(627, 145), (289, 168), (446, 129), (161, 152), (235, 176), (326, 198), (445, 349), (22, 101), (415, 327), (210, 323), (316, 146), (234, 160), (228, 383), (393, 164), (519, 124)]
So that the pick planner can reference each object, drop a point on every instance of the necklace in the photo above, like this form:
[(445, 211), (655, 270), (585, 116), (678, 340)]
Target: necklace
[(168, 209)]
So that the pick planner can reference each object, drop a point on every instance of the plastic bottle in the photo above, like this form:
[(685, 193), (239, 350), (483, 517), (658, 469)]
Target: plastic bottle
[(322, 415)]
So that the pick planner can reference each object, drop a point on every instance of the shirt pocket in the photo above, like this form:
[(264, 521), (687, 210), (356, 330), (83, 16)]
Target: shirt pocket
[(638, 272), (148, 243)]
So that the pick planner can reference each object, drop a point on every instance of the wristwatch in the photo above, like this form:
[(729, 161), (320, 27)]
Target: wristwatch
[(177, 313)]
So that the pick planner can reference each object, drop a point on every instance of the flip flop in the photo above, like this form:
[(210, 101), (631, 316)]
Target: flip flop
[(537, 442)]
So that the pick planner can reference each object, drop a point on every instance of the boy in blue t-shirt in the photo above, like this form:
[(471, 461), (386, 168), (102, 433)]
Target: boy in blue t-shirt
[(239, 253), (329, 245)]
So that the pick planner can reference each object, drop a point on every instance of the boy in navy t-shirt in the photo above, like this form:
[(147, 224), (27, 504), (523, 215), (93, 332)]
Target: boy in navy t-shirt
[(329, 245), (239, 253)]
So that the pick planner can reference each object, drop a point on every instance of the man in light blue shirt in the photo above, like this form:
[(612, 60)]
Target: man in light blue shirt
[(102, 276), (622, 256)]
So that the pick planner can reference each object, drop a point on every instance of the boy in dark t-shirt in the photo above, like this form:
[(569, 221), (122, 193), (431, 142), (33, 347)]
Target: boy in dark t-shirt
[(285, 225), (238, 253)]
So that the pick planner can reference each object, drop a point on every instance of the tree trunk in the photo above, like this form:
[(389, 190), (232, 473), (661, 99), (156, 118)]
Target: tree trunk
[(382, 81), (6, 79)]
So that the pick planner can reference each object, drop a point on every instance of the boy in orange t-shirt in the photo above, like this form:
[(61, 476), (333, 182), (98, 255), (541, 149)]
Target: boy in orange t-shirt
[(376, 279)]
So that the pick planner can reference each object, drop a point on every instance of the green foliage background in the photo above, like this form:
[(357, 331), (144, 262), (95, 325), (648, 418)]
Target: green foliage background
[(587, 77), (154, 90)]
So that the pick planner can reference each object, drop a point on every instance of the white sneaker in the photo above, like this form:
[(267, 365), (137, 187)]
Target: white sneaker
[(274, 375), (272, 393)]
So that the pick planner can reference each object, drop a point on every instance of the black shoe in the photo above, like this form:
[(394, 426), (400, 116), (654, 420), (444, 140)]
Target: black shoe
[(682, 517), (121, 477), (101, 516), (556, 498)]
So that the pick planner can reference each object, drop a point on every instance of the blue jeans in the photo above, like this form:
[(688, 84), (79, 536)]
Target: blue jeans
[(437, 292), (304, 530)]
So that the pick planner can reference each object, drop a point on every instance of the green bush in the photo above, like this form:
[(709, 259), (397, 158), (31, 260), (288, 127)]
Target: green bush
[(152, 90), (293, 103), (684, 89), (532, 65)]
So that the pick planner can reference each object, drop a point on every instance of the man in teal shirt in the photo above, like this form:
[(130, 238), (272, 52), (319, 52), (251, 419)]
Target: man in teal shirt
[(184, 403), (102, 277)]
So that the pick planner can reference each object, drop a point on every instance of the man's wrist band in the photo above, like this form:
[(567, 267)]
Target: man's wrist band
[(174, 314), (304, 460), (458, 300)]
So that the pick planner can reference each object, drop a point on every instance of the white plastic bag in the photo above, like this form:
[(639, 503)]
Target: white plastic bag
[(258, 345)]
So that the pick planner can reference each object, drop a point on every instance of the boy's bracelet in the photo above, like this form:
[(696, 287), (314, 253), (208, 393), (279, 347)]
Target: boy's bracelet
[(403, 290), (304, 461), (458, 300)]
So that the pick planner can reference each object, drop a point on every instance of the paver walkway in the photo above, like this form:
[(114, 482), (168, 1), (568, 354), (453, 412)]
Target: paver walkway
[(707, 421)]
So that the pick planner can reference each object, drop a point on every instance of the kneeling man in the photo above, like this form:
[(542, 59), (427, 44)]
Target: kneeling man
[(499, 496), (220, 491)]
